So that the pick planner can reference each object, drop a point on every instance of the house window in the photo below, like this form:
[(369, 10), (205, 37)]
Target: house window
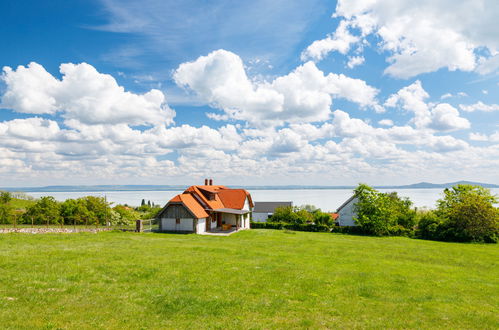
[(177, 221)]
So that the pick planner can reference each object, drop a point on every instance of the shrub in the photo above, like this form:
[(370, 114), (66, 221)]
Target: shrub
[(290, 226), (429, 226), (465, 214), (468, 214), (354, 230), (383, 214)]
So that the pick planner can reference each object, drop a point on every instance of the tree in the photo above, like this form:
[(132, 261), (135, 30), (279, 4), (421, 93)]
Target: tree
[(284, 214), (45, 210), (99, 210), (5, 197), (468, 214), (321, 218), (6, 210), (75, 211), (382, 214)]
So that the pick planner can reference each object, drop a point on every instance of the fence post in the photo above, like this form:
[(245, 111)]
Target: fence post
[(139, 226)]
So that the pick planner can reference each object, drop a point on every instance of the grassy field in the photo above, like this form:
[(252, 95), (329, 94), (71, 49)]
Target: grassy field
[(252, 279)]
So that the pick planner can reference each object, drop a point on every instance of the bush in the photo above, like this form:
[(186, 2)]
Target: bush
[(383, 214), (307, 214), (354, 230), (290, 226), (465, 214), (429, 226), (468, 214)]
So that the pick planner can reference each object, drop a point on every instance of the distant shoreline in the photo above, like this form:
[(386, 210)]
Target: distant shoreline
[(97, 188)]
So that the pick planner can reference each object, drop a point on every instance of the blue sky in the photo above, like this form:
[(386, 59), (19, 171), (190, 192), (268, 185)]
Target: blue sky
[(254, 92)]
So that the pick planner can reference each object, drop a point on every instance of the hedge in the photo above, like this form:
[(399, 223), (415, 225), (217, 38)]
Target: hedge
[(291, 226), (358, 230)]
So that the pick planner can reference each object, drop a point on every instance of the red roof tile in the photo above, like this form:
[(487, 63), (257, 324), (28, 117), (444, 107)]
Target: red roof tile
[(197, 199), (193, 206), (233, 198)]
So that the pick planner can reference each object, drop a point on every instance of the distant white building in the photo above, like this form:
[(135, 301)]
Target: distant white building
[(347, 212), (264, 210)]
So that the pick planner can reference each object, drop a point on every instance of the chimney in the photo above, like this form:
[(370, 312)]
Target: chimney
[(211, 182), (205, 182)]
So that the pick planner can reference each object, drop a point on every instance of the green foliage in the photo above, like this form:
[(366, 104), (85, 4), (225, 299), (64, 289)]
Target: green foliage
[(99, 210), (126, 213), (284, 214), (429, 226), (321, 218), (75, 211), (291, 226), (5, 197), (307, 214), (6, 209), (467, 214), (151, 213), (45, 211), (383, 214)]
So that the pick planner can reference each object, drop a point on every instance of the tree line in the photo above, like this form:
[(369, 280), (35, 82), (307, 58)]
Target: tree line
[(465, 213), (88, 210)]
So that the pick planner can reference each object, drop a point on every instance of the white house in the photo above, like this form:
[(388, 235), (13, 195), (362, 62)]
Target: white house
[(346, 212), (205, 208), (264, 210)]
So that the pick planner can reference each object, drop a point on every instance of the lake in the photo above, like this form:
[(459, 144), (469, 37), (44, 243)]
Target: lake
[(326, 199)]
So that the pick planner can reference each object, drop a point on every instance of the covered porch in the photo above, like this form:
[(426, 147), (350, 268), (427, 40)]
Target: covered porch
[(226, 220)]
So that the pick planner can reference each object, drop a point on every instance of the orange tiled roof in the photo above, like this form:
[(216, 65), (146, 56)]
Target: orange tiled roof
[(234, 198), (193, 206), (212, 204), (176, 199), (196, 199)]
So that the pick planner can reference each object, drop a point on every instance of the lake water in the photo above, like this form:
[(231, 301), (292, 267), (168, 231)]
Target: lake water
[(326, 199)]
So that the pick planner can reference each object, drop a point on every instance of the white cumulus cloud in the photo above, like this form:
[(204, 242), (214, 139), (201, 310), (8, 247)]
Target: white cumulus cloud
[(304, 95), (479, 106), (419, 36), (83, 94), (440, 117)]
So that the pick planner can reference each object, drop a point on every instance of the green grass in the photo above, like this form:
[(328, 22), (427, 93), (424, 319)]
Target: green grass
[(252, 279)]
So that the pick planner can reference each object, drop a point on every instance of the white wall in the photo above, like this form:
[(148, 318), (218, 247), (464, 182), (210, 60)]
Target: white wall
[(347, 213), (201, 226), (246, 205), (260, 217), (169, 224)]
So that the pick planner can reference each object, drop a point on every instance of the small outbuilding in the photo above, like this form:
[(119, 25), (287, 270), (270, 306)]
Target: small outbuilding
[(264, 210)]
